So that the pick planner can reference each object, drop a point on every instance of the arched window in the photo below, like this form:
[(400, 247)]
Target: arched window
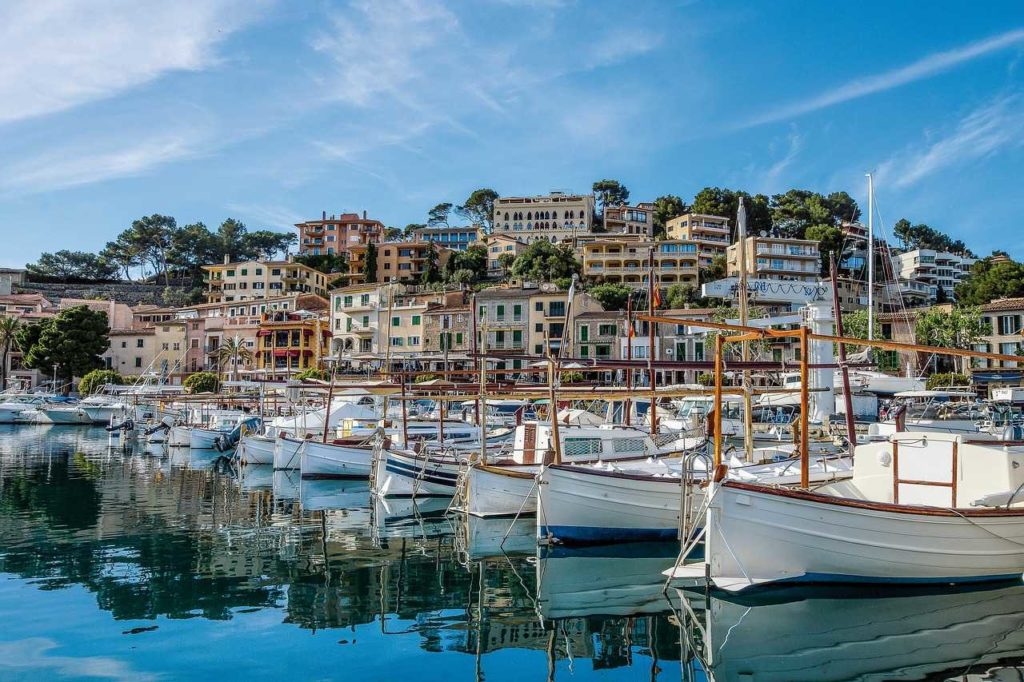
[(529, 215)]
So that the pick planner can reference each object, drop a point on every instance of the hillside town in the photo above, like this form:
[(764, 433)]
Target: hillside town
[(359, 297)]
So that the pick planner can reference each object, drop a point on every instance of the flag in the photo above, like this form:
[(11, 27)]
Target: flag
[(656, 293), (629, 331)]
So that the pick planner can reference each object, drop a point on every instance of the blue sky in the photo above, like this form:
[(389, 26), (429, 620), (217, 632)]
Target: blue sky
[(274, 111)]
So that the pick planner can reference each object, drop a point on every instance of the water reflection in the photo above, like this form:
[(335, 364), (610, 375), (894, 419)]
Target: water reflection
[(175, 545), (155, 535)]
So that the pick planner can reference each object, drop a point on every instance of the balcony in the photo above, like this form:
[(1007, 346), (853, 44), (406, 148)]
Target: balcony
[(361, 329), (795, 252), (506, 321)]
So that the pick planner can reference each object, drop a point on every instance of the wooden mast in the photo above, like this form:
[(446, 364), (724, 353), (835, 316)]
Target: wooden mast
[(748, 410), (652, 412), (556, 440), (718, 399), (327, 409), (851, 433), (804, 409), (627, 405)]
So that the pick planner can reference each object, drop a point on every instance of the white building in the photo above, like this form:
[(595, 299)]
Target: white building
[(555, 217), (932, 270)]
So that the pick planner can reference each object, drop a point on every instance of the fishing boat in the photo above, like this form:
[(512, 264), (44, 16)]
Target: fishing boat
[(637, 502), (255, 448), (924, 507), (340, 459), (207, 437), (507, 487), (61, 411), (103, 409)]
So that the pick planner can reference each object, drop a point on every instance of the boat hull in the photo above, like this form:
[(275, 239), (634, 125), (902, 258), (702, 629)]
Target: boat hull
[(327, 460), (404, 474), (498, 491), (287, 453), (255, 449), (64, 415), (757, 534), (203, 439), (179, 437), (585, 505)]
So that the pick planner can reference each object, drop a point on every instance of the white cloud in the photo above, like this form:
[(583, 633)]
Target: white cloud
[(775, 171), (923, 68), (267, 215), (70, 166), (57, 54), (34, 655), (990, 129)]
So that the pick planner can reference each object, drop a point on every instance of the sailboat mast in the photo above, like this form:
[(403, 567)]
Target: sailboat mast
[(871, 257), (748, 410)]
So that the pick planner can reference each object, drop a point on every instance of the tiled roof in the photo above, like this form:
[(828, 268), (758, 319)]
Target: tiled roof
[(1004, 304)]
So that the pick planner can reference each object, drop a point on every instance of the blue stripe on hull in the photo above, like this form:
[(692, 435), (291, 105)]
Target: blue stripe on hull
[(417, 472), (840, 578), (589, 535), (425, 478)]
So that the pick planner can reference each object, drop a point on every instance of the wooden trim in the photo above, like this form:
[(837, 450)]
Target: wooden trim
[(895, 472), (956, 471), (795, 493)]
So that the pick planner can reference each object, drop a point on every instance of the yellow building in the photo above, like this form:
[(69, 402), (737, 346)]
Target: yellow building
[(777, 258), (289, 343), (709, 232), (251, 280), (627, 261)]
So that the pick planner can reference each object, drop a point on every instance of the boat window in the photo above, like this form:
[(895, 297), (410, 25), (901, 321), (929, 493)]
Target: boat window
[(621, 445), (582, 447)]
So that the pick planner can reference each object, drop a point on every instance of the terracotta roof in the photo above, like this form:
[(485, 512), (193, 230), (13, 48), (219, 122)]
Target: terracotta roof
[(1004, 304)]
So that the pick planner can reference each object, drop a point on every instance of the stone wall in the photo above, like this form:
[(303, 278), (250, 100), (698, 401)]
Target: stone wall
[(122, 292)]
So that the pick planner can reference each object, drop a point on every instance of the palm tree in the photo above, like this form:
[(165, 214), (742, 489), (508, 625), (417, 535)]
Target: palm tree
[(233, 350), (8, 341)]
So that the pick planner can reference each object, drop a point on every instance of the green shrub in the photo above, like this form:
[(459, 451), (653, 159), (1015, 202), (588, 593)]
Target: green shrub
[(705, 379), (945, 380), (97, 379), (311, 373), (420, 378), (202, 382)]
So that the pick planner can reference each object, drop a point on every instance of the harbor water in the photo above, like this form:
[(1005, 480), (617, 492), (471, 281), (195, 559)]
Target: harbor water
[(148, 564)]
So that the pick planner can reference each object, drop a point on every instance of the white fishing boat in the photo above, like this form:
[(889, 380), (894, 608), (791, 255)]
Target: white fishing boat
[(206, 437), (335, 460), (507, 486), (287, 452), (923, 508), (404, 473), (829, 635), (255, 448), (631, 502), (935, 411), (179, 436)]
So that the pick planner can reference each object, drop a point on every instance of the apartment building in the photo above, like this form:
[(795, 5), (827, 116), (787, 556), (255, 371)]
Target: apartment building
[(1004, 320), (626, 261), (354, 320), (634, 220), (497, 245), (711, 233), (405, 261), (157, 350), (337, 234), (402, 321), (597, 334), (448, 328), (254, 280), (503, 314), (454, 238), (933, 269), (777, 258), (550, 316), (555, 217), (290, 343), (209, 324)]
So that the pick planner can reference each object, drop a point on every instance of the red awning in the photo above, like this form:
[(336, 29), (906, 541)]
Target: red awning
[(264, 332), (281, 353)]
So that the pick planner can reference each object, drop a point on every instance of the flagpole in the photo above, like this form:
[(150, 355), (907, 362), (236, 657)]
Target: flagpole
[(629, 355)]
